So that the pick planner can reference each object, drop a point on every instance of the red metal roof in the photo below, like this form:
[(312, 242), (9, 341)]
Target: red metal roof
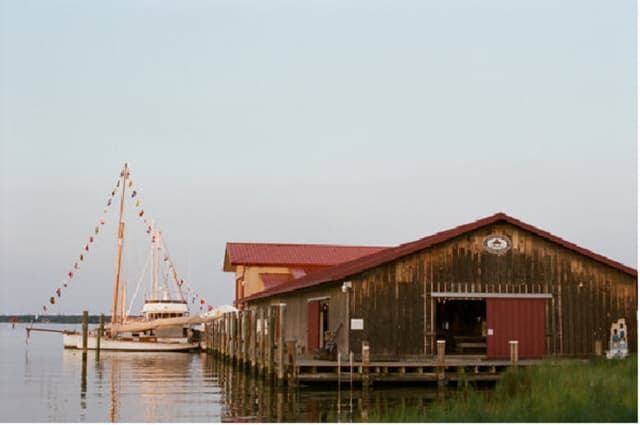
[(275, 254), (353, 267)]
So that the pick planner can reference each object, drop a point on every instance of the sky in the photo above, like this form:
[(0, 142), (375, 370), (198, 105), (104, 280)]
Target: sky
[(337, 122)]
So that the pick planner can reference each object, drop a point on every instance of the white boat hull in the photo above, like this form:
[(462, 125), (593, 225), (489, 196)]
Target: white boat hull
[(74, 341)]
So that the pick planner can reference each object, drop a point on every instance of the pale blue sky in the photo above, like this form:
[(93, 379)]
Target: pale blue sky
[(362, 122)]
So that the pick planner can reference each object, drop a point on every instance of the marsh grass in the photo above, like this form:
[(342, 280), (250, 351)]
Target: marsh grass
[(595, 390)]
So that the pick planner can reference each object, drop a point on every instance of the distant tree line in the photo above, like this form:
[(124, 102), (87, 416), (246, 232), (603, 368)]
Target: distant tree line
[(59, 318)]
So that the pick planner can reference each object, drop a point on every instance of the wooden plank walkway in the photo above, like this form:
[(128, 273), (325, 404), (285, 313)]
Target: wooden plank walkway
[(455, 368)]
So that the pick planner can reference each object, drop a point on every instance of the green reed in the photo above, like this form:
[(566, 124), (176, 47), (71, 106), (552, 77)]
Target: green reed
[(595, 390)]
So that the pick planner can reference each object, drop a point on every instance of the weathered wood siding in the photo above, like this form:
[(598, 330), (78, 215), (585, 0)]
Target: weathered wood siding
[(395, 302), (297, 314)]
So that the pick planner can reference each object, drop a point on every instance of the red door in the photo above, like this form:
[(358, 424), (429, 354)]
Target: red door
[(515, 319), (313, 326)]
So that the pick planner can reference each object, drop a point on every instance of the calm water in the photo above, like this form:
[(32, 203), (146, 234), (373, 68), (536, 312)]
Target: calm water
[(42, 382)]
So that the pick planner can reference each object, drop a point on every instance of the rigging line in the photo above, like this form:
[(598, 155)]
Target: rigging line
[(166, 250), (142, 274)]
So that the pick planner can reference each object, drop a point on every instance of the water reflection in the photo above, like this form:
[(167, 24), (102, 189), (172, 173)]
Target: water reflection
[(182, 387), (248, 398)]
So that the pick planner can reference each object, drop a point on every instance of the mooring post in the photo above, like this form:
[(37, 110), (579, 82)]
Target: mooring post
[(514, 353), (272, 338), (252, 339), (225, 332), (214, 335), (365, 364), (246, 332), (238, 336), (351, 370), (100, 333), (219, 335), (223, 323), (282, 313), (229, 339), (597, 349), (441, 363), (259, 338), (85, 330), (291, 361)]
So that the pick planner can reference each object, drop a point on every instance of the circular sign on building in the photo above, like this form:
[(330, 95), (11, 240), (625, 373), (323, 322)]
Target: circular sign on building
[(497, 244)]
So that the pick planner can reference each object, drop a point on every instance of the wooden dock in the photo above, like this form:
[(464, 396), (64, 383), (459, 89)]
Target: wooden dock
[(262, 349)]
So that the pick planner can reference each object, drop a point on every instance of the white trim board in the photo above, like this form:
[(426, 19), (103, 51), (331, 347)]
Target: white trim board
[(309, 300), (488, 295)]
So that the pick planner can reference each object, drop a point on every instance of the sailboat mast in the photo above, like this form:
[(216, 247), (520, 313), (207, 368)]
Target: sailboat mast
[(125, 175), (156, 262)]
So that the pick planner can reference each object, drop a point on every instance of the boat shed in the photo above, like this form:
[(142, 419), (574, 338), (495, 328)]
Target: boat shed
[(476, 286)]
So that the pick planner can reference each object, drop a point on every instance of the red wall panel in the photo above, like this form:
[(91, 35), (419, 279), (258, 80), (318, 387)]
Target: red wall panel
[(520, 319), (313, 326)]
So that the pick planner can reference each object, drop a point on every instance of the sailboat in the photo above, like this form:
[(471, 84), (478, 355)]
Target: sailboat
[(165, 324)]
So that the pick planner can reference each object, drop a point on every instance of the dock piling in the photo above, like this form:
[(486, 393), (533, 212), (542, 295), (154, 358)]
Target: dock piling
[(597, 349), (85, 330), (260, 340), (246, 332), (365, 364), (351, 370), (253, 338), (513, 345), (99, 337), (442, 377), (271, 338), (291, 361), (282, 310)]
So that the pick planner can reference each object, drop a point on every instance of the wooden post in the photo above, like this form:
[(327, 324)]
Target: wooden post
[(513, 345), (259, 331), (209, 327), (441, 344), (234, 336), (282, 310), (598, 348), (238, 336), (100, 333), (260, 338), (271, 338), (227, 340), (339, 371), (253, 338), (245, 338), (351, 370), (215, 335), (85, 330), (291, 361), (225, 335), (365, 363), (218, 336)]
